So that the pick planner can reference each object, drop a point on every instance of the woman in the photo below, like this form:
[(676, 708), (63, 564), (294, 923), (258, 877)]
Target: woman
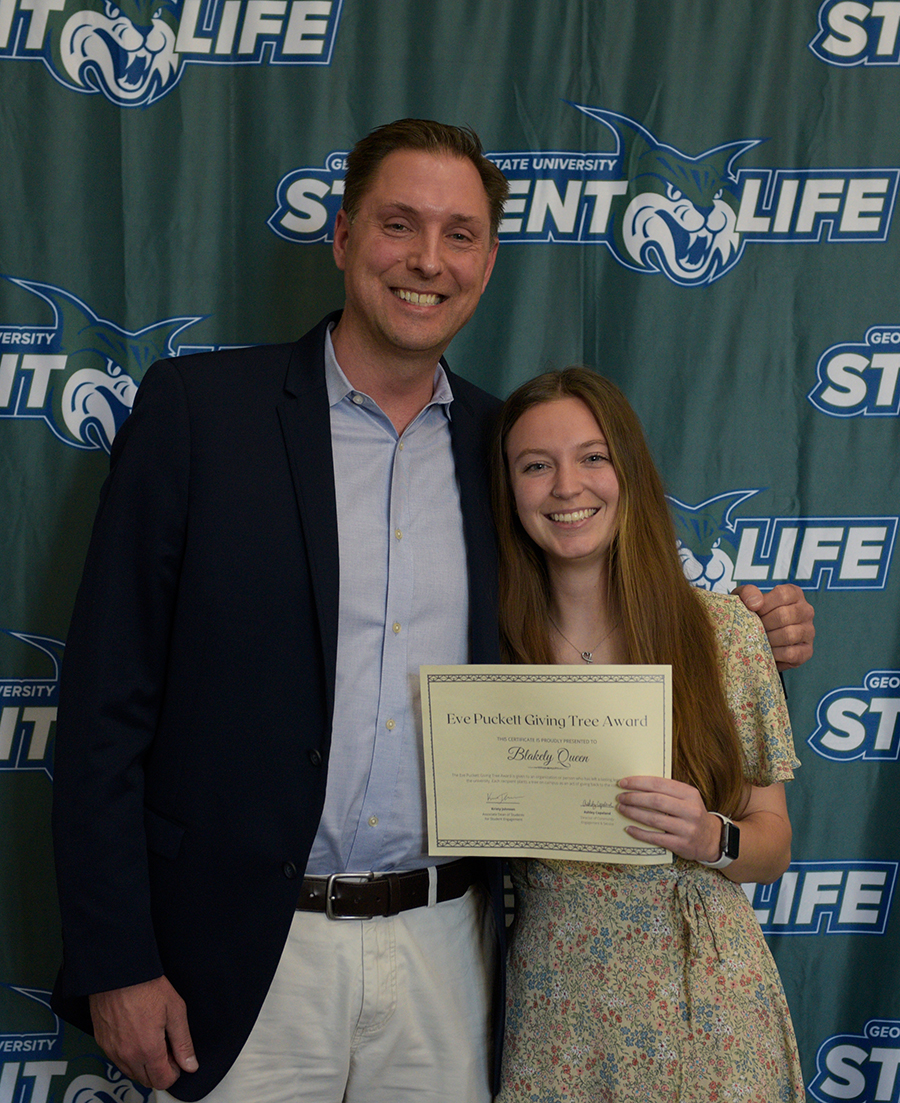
[(627, 982)]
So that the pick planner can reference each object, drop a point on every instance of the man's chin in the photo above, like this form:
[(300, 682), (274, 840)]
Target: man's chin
[(422, 339)]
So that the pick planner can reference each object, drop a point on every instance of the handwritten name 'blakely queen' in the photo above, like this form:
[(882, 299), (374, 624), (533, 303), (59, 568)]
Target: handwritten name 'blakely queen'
[(532, 720), (561, 758)]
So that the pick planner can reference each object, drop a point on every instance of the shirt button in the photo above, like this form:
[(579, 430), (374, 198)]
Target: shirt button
[(396, 627), (358, 400), (390, 725), (400, 446), (373, 821), (398, 534)]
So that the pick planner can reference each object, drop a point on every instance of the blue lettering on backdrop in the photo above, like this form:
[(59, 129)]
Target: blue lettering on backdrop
[(33, 1067), (859, 1067), (860, 379), (135, 51), (719, 551), (657, 208), (860, 722), (47, 1042), (851, 33), (28, 713), (830, 898)]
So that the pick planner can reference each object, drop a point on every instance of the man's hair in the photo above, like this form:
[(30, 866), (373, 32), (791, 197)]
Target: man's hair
[(426, 136), (661, 615)]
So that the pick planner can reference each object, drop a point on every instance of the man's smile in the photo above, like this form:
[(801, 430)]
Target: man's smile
[(419, 298)]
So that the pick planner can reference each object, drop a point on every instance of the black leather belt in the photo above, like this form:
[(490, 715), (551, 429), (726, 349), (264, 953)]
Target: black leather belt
[(365, 895)]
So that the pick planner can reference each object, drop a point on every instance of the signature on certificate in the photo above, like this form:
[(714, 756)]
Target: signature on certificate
[(503, 798)]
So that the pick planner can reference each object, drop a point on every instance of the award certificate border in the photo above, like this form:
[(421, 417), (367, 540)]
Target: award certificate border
[(532, 846)]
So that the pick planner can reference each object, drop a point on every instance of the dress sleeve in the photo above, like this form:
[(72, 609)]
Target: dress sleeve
[(754, 693)]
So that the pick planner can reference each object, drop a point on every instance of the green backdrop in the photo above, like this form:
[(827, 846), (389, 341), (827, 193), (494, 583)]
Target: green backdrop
[(702, 202)]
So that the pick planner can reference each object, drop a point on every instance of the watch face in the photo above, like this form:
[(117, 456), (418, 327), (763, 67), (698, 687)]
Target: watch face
[(731, 840)]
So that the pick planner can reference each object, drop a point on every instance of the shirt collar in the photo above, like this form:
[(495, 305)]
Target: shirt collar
[(339, 386)]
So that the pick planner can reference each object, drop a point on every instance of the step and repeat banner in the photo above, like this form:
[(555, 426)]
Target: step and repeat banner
[(702, 204)]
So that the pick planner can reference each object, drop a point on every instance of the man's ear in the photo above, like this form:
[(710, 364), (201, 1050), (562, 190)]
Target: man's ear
[(341, 233)]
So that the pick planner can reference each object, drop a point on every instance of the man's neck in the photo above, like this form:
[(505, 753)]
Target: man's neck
[(402, 384)]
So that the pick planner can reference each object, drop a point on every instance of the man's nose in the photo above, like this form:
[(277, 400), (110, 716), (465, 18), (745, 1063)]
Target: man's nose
[(425, 255)]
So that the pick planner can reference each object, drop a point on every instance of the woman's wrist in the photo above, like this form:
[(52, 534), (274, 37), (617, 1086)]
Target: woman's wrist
[(726, 844)]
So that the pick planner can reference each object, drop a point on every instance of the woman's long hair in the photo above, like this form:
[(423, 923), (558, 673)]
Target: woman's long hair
[(661, 616)]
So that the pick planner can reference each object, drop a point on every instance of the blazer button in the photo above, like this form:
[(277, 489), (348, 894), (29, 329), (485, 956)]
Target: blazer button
[(315, 757), (289, 870)]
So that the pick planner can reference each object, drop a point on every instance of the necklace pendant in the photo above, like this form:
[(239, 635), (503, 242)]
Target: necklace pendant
[(588, 657)]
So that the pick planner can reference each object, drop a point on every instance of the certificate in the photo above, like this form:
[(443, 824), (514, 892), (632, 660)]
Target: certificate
[(525, 760)]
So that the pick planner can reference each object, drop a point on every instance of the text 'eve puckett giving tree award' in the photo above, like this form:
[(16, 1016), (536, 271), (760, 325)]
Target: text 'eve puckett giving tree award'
[(526, 759)]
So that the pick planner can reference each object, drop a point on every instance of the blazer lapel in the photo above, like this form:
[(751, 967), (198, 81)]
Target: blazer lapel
[(306, 425), (470, 435)]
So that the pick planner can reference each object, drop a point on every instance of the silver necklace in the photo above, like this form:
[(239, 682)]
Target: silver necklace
[(587, 656)]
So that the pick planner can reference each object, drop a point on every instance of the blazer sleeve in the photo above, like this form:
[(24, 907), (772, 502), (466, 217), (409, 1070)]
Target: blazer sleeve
[(112, 683)]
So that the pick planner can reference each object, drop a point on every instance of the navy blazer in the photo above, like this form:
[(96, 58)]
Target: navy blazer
[(198, 683)]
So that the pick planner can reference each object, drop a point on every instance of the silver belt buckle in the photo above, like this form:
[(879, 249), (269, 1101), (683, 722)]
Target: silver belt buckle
[(360, 878)]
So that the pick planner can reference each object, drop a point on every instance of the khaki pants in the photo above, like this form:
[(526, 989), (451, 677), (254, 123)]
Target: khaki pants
[(374, 1011)]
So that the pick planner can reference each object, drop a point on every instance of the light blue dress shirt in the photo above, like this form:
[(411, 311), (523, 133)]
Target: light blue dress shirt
[(403, 602)]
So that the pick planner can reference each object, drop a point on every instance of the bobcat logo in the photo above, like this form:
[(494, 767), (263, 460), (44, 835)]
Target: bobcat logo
[(125, 51), (680, 213), (87, 389), (704, 532), (113, 1087), (134, 52)]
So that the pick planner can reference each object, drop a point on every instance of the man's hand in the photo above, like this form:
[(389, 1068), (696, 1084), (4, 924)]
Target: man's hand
[(143, 1029), (788, 620)]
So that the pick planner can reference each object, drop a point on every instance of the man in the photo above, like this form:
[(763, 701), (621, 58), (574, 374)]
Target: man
[(285, 535)]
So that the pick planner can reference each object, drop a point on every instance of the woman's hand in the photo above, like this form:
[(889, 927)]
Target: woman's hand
[(671, 814)]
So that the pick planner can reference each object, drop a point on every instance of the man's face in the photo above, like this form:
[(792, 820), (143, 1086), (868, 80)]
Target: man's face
[(417, 256)]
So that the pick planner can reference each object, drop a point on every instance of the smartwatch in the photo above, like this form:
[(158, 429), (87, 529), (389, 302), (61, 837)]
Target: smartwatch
[(730, 845)]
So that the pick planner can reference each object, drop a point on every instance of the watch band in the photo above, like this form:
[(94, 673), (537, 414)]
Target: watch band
[(730, 845)]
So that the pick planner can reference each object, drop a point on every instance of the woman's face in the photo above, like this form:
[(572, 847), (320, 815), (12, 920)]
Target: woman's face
[(565, 489)]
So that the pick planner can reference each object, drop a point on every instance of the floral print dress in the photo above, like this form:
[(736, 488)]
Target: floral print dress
[(654, 983)]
